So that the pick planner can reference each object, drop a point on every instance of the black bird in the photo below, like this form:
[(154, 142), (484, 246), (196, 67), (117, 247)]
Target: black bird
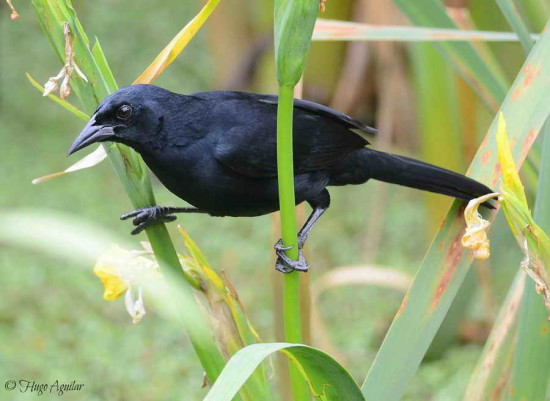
[(217, 151)]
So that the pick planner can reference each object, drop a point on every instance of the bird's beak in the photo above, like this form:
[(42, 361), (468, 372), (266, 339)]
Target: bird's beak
[(91, 133)]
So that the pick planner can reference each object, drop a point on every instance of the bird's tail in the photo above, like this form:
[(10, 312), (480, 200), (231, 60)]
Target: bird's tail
[(401, 170)]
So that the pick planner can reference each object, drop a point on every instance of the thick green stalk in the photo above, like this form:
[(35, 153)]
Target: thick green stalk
[(293, 27), (285, 170), (291, 291), (129, 168)]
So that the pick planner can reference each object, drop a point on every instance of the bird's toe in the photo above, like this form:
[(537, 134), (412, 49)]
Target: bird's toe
[(286, 265), (280, 248), (283, 267), (168, 218), (133, 213), (143, 217), (139, 228), (148, 216)]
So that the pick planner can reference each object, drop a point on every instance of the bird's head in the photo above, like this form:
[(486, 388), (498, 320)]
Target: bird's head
[(131, 115)]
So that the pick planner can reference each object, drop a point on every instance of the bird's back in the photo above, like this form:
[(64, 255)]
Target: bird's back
[(243, 126)]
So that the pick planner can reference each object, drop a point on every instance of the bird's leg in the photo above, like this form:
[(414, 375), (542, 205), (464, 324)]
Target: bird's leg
[(286, 265), (310, 222), (147, 216)]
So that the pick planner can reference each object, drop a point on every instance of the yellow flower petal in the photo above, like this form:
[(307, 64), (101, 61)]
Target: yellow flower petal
[(113, 284), (119, 269)]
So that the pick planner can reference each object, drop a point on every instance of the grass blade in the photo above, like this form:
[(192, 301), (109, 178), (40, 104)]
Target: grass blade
[(353, 31), (533, 337), (326, 378), (445, 265), (488, 81), (513, 17), (62, 102), (103, 66), (532, 341), (492, 371)]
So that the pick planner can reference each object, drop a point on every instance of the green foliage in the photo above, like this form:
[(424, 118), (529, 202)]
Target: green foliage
[(326, 378), (483, 74), (424, 307), (444, 267), (128, 165), (293, 27), (294, 21)]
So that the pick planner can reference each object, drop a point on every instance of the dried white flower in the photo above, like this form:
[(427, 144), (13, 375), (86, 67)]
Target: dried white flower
[(475, 236), (66, 71), (14, 14)]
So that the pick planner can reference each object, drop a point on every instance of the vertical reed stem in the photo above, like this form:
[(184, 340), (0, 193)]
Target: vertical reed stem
[(291, 290)]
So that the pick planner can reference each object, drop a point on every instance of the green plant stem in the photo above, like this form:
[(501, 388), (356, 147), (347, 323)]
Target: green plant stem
[(285, 171), (130, 169), (135, 178), (199, 334), (533, 338), (291, 290)]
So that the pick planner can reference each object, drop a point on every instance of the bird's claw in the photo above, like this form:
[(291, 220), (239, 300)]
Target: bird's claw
[(146, 217), (279, 247), (286, 265)]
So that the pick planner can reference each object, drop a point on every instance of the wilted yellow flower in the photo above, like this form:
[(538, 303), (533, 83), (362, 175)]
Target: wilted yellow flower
[(475, 236), (112, 282), (122, 271)]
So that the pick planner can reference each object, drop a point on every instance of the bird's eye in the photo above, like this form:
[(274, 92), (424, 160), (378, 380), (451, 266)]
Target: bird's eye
[(124, 112)]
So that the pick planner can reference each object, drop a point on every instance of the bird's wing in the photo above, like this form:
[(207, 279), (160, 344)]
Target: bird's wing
[(247, 142), (352, 124)]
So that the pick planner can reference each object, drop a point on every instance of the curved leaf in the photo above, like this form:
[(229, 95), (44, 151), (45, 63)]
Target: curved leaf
[(327, 379)]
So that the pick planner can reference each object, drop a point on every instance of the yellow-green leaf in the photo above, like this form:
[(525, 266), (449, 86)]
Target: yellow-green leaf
[(510, 177), (176, 45)]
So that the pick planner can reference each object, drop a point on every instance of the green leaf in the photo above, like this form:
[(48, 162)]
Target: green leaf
[(476, 67), (354, 31), (62, 102), (510, 176), (294, 22), (533, 337), (494, 365), (326, 378), (103, 66), (513, 17), (445, 265)]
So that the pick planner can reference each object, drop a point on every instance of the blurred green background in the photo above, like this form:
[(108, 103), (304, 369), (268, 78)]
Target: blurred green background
[(54, 324)]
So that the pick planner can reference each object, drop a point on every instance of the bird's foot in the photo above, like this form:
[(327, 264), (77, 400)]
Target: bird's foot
[(148, 216), (286, 265)]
